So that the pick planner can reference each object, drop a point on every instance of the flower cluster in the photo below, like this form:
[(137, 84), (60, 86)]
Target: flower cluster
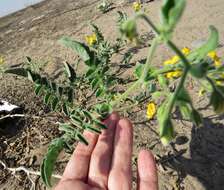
[(186, 51), (174, 60), (91, 39), (137, 6)]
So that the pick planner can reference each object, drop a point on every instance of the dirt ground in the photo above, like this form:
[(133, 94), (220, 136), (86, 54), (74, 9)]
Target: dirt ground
[(195, 161)]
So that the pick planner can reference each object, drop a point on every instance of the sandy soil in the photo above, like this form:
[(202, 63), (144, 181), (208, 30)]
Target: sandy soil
[(196, 159)]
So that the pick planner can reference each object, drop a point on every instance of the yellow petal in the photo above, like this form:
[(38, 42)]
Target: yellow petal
[(151, 110), (136, 6), (185, 51), (212, 55)]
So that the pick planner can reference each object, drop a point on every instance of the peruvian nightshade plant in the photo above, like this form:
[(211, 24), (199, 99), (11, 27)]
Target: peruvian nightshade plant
[(98, 90)]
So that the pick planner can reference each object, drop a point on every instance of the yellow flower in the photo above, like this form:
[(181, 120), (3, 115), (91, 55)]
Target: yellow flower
[(1, 60), (91, 39), (217, 63), (219, 83), (136, 6), (174, 60), (173, 74), (213, 55), (151, 110), (185, 51)]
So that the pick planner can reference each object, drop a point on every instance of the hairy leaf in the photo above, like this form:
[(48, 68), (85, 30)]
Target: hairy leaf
[(47, 98), (171, 12), (81, 138), (50, 158), (70, 71), (38, 89), (17, 71), (210, 45), (81, 49)]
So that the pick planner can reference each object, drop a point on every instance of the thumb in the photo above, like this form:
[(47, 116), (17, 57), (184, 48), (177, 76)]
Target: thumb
[(147, 172)]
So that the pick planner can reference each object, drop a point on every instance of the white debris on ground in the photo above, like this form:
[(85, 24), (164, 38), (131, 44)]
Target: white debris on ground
[(6, 107)]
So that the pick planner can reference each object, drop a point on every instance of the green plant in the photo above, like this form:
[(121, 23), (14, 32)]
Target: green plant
[(98, 86), (104, 6)]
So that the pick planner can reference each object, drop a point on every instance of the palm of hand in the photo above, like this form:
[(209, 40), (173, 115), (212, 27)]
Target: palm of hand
[(106, 162)]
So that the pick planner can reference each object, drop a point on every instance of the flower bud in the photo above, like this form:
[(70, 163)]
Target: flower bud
[(199, 70), (129, 29), (166, 132)]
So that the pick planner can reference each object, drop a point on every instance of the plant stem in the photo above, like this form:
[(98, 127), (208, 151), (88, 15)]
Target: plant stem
[(185, 72), (179, 54), (136, 84), (148, 60), (123, 96), (180, 85)]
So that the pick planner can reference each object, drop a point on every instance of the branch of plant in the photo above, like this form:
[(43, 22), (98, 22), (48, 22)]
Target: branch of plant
[(184, 76), (149, 59), (123, 96)]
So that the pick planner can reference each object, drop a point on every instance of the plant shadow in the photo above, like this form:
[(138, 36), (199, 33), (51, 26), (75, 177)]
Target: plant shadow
[(206, 156)]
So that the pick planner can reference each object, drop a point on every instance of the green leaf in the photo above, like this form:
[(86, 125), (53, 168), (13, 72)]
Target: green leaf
[(99, 92), (70, 95), (54, 103), (17, 71), (47, 98), (184, 96), (129, 29), (90, 72), (176, 12), (163, 82), (49, 160), (171, 12), (60, 90), (185, 110), (104, 109), (217, 99), (99, 34), (81, 49), (196, 117), (28, 59), (93, 129), (38, 89), (53, 86), (199, 70), (65, 109), (157, 94), (70, 71), (138, 70), (81, 138), (100, 124), (76, 119), (95, 83), (210, 45), (87, 114)]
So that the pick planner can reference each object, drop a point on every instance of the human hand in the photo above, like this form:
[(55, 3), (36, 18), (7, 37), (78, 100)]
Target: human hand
[(106, 162)]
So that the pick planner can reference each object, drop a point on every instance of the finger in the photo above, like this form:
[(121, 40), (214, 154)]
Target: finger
[(147, 173), (78, 165), (121, 175), (101, 157)]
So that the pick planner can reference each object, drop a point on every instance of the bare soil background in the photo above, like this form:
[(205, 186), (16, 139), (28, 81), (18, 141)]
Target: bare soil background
[(195, 161)]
